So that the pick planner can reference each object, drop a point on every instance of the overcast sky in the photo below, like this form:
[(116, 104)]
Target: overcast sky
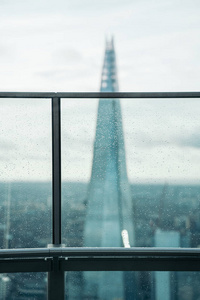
[(59, 46)]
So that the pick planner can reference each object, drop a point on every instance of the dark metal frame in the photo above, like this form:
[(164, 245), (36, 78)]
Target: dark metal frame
[(57, 259), (56, 172)]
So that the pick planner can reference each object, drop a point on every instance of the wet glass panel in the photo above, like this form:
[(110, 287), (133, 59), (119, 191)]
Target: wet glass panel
[(132, 285), (131, 173), (162, 158), (23, 286), (25, 179), (78, 132)]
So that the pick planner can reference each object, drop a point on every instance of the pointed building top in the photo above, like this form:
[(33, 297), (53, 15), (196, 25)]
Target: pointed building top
[(110, 43), (109, 81)]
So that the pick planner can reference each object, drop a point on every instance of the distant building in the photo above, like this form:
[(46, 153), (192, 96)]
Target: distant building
[(163, 282), (109, 205)]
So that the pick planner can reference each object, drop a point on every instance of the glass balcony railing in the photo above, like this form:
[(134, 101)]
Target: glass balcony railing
[(59, 215)]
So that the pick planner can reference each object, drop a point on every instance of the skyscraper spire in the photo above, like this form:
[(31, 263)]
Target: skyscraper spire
[(109, 205), (109, 81)]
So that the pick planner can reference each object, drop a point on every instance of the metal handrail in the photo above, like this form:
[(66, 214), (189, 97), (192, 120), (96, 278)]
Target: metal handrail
[(99, 252), (127, 95)]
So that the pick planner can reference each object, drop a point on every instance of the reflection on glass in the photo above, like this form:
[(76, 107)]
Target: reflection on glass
[(25, 164), (23, 286), (137, 285)]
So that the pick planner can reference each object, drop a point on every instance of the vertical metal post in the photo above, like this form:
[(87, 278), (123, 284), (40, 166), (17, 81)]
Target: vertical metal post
[(56, 172), (56, 281)]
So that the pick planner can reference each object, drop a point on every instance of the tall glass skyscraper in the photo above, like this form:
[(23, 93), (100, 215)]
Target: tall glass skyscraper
[(109, 205)]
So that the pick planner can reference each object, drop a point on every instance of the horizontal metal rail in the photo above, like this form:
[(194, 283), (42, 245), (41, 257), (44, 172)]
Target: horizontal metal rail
[(99, 259), (101, 264), (99, 252), (132, 264), (44, 95), (25, 265)]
